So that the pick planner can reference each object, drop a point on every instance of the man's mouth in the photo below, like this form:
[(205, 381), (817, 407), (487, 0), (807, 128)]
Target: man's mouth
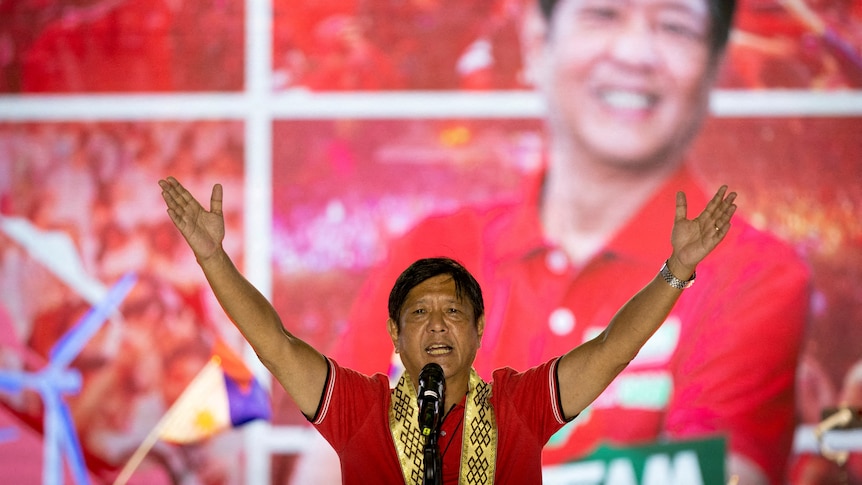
[(438, 349), (628, 100)]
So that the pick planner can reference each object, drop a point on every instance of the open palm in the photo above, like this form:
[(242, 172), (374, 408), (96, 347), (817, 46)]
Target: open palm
[(693, 239), (203, 230)]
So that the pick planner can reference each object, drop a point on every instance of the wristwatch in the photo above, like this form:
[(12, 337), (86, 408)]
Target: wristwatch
[(673, 280)]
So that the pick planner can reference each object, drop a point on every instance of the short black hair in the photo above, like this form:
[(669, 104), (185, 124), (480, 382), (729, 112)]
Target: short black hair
[(721, 12), (423, 269)]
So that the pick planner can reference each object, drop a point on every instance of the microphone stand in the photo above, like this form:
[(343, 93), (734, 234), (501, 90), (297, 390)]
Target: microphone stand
[(432, 388), (433, 462)]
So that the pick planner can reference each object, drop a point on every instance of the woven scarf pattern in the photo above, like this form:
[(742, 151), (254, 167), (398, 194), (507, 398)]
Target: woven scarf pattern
[(479, 446)]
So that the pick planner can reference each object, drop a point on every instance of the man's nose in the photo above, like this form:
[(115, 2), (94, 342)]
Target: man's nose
[(437, 322)]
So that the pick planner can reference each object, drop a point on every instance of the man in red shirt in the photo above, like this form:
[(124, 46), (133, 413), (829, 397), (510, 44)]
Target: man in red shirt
[(437, 316), (354, 419), (626, 85)]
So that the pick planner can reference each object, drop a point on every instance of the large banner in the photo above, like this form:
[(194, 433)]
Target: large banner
[(354, 135)]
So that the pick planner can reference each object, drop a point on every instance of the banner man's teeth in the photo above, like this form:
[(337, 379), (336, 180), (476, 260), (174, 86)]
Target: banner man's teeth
[(627, 99)]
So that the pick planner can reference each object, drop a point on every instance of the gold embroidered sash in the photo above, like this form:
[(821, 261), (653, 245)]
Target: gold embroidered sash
[(479, 443)]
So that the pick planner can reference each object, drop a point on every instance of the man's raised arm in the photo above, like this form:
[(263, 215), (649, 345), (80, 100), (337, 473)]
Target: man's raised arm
[(299, 368), (585, 371)]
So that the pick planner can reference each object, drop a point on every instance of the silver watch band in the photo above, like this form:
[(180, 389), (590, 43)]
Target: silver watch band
[(673, 280)]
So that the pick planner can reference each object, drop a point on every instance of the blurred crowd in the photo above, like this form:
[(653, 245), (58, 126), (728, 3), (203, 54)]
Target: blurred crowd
[(88, 192), (796, 44), (106, 46), (86, 46)]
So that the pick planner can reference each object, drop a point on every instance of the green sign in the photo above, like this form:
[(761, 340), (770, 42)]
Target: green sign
[(698, 462)]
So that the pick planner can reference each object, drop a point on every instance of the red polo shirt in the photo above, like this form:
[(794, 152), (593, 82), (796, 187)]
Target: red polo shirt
[(354, 417)]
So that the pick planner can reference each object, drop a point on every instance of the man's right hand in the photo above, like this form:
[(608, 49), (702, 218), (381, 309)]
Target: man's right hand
[(203, 230)]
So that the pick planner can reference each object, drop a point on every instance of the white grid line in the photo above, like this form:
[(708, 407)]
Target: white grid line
[(258, 101), (257, 212)]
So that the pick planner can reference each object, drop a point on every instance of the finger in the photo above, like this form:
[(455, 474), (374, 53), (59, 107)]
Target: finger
[(174, 217), (172, 184), (728, 213), (681, 206), (727, 208), (168, 194), (715, 205), (183, 201), (180, 191), (216, 199), (170, 191), (722, 217), (731, 198)]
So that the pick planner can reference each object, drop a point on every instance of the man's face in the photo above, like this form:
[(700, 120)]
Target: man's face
[(626, 81), (436, 326)]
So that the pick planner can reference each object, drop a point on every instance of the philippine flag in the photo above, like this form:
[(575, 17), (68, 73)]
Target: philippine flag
[(224, 394)]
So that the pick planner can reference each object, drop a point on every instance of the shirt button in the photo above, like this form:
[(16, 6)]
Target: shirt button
[(442, 433), (556, 261)]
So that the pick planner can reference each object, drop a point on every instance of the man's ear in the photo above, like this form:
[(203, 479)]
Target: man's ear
[(480, 328), (533, 34), (392, 326)]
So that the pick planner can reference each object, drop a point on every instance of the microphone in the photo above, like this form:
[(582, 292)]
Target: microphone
[(432, 389)]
